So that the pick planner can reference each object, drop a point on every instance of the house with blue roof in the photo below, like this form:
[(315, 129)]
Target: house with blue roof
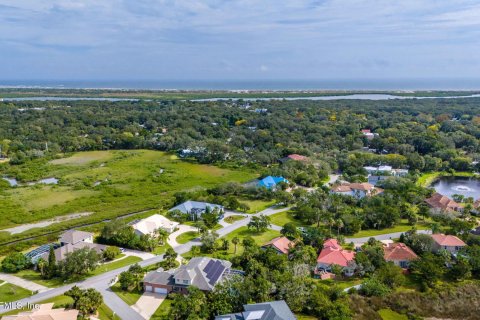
[(271, 182)]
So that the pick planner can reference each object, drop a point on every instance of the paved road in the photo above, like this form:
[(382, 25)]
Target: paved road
[(386, 236), (102, 281)]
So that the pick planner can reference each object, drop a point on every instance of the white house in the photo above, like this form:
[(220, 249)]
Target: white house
[(151, 224)]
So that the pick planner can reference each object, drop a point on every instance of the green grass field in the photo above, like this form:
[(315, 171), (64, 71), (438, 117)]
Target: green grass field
[(35, 276), (427, 179), (187, 236), (257, 205), (403, 226), (234, 218), (115, 265), (10, 292), (130, 298), (284, 217), (162, 312), (388, 314), (130, 181)]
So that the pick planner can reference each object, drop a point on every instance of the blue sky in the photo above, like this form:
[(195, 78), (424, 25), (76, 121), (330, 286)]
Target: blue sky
[(239, 39)]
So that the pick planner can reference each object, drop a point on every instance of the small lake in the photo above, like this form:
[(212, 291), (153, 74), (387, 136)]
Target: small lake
[(448, 186), (13, 182)]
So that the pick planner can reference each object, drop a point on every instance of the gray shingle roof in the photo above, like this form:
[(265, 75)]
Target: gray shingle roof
[(273, 310), (197, 272), (74, 236)]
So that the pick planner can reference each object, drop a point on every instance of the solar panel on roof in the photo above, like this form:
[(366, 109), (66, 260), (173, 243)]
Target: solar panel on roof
[(208, 266)]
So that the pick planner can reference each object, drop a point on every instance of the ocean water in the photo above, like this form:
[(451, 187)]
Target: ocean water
[(346, 84)]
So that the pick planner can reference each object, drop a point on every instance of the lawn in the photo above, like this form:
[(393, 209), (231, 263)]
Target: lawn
[(161, 249), (10, 292), (234, 218), (257, 205), (162, 311), (243, 232), (305, 317), (130, 298), (130, 181), (427, 179), (401, 227), (187, 236), (35, 276), (388, 314), (115, 265), (284, 217)]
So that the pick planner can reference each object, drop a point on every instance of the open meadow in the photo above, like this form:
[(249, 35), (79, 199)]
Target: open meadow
[(106, 183)]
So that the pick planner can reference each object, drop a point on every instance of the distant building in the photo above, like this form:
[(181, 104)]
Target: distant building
[(368, 134), (71, 241), (440, 203), (281, 244), (273, 310), (333, 254), (201, 272), (45, 312), (447, 242), (357, 190), (294, 157), (400, 254), (270, 182), (151, 224), (196, 208)]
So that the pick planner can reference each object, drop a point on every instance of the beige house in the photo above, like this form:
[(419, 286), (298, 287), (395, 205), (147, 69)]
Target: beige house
[(447, 242), (45, 312)]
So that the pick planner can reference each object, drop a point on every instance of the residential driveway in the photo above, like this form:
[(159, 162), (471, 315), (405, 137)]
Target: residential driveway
[(142, 255), (173, 236), (148, 304), (275, 227), (29, 285)]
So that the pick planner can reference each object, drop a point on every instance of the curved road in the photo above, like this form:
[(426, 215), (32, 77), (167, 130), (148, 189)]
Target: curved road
[(102, 281)]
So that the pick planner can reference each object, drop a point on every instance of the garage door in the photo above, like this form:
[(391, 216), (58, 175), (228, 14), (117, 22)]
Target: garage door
[(161, 290), (148, 288)]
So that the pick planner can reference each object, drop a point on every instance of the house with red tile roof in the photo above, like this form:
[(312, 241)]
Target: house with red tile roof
[(357, 190), (440, 203), (281, 244), (294, 157), (399, 253), (447, 242), (333, 254)]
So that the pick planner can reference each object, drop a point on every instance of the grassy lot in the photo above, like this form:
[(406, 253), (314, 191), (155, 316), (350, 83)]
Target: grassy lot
[(401, 227), (427, 179), (104, 312), (10, 292), (35, 276), (187, 236), (163, 310), (342, 283), (161, 249), (115, 265), (243, 232), (130, 298), (131, 181), (388, 314), (234, 218), (257, 205), (284, 217)]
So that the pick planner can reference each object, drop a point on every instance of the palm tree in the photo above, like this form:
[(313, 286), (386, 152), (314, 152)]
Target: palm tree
[(162, 235), (235, 241), (340, 225), (42, 265)]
